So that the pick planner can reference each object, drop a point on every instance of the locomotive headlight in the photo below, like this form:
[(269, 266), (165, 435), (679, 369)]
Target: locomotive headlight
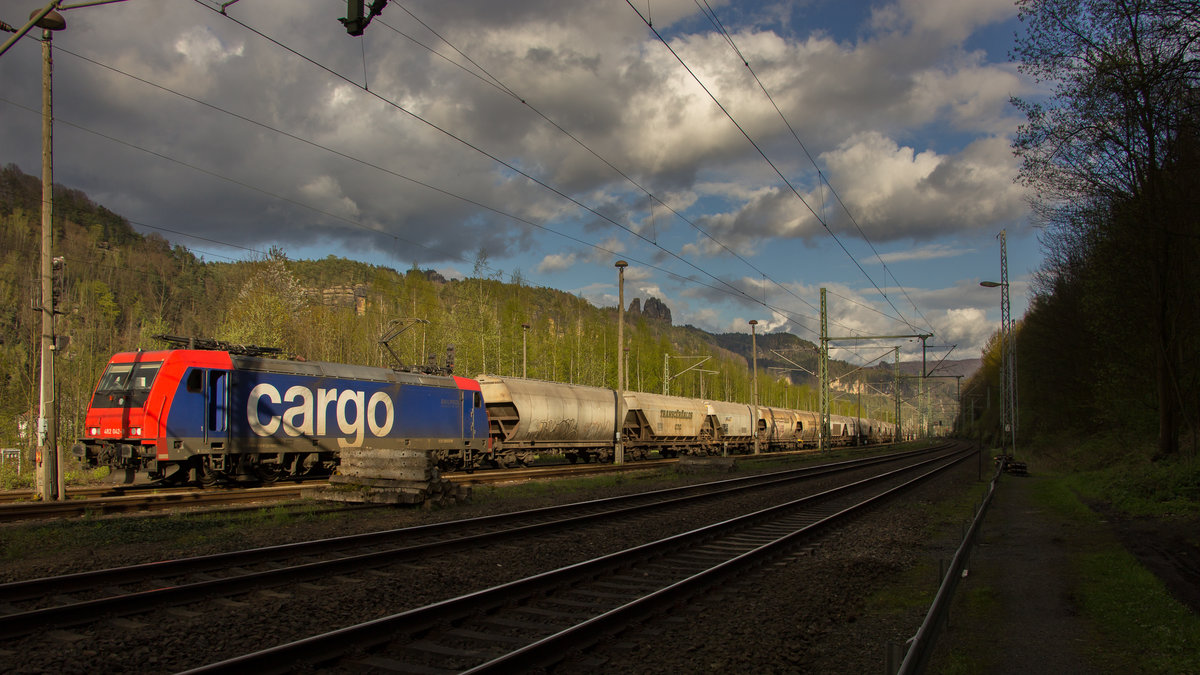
[(93, 431), (135, 431)]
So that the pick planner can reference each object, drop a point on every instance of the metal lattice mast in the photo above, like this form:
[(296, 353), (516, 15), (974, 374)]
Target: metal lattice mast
[(1008, 395), (897, 393), (823, 375)]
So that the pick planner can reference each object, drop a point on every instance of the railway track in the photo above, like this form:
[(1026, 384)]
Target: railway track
[(17, 505), (534, 621), (146, 501), (87, 602)]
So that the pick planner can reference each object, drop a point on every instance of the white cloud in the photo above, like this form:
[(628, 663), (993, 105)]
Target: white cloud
[(930, 252), (326, 193), (556, 262), (202, 47), (871, 107), (901, 192), (953, 19)]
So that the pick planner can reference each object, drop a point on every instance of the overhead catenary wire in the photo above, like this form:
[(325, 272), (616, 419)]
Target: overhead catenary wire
[(473, 146), (734, 291), (765, 157), (712, 14), (737, 293), (501, 86), (495, 82), (214, 174), (342, 218)]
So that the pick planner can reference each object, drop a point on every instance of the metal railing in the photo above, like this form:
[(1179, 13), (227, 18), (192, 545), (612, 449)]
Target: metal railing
[(921, 644)]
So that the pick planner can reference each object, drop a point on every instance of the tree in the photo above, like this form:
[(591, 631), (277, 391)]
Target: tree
[(1103, 154), (266, 306)]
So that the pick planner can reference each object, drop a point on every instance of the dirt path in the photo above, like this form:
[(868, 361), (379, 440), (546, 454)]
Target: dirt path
[(1014, 613)]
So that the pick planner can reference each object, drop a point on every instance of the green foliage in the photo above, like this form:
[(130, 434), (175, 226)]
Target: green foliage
[(1145, 629), (17, 476), (1113, 154), (266, 308), (1136, 486)]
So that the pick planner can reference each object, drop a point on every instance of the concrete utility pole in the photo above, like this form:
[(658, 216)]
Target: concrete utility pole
[(619, 449), (754, 381), (823, 432), (49, 460)]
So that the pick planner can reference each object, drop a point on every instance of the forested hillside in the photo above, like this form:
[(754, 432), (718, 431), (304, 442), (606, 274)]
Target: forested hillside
[(1109, 347), (119, 288)]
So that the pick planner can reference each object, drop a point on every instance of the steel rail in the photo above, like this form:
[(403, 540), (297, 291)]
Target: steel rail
[(326, 647), (144, 502), (544, 518)]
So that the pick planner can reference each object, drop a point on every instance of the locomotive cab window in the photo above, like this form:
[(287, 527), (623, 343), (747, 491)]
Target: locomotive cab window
[(478, 400), (125, 385)]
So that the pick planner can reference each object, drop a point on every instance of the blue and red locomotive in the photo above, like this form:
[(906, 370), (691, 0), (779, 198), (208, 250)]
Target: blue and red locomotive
[(228, 412), (205, 415)]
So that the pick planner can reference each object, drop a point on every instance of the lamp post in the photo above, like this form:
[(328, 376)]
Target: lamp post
[(619, 447), (1008, 375), (754, 379), (524, 350)]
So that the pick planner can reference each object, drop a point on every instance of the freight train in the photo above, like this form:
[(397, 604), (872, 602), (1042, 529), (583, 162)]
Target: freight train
[(222, 414)]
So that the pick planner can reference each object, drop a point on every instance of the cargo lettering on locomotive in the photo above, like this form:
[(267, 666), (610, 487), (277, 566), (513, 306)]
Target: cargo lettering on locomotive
[(309, 414)]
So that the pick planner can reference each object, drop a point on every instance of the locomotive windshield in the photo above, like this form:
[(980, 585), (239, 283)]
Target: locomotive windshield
[(125, 385)]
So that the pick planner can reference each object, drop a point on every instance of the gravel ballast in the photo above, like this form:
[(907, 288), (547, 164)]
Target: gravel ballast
[(825, 608)]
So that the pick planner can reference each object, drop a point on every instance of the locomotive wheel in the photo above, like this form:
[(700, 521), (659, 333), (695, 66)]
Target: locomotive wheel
[(270, 473), (304, 464), (181, 475)]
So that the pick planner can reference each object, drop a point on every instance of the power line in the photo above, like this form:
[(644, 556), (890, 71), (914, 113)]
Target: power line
[(472, 146), (762, 153), (736, 292), (493, 81), (447, 254)]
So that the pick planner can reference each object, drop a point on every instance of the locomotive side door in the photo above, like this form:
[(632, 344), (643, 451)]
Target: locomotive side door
[(199, 417), (216, 415)]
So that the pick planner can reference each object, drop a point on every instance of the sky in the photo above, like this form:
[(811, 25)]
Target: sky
[(740, 156)]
